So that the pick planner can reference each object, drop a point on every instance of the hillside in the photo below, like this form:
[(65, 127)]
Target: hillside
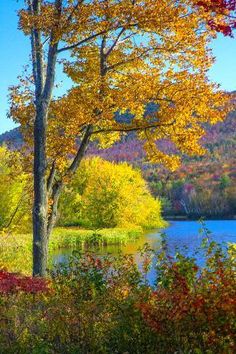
[(12, 138), (202, 186)]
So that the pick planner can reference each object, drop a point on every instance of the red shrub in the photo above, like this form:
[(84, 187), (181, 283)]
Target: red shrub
[(13, 283), (205, 311)]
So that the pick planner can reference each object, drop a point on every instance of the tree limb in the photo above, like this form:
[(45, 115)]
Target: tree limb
[(83, 41), (80, 153), (131, 129), (51, 177), (58, 185), (115, 42)]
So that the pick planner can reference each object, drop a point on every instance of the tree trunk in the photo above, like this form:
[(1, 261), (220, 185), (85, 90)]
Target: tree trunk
[(43, 222), (40, 240)]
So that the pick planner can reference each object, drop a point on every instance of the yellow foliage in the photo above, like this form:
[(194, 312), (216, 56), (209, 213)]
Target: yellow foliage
[(104, 194), (130, 54), (15, 192)]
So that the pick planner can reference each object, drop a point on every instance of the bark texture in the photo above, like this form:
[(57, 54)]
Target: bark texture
[(44, 83)]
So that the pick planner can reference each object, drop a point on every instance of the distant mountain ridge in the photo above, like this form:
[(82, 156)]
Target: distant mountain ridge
[(13, 138)]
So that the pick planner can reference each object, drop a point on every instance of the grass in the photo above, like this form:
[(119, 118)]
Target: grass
[(75, 237), (16, 250)]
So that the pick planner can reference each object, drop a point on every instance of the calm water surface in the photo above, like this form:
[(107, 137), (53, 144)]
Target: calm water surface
[(180, 235)]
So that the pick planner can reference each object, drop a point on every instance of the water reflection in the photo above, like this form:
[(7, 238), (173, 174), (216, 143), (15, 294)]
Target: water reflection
[(180, 235)]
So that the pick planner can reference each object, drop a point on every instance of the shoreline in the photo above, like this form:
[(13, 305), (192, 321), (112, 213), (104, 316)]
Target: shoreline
[(204, 218)]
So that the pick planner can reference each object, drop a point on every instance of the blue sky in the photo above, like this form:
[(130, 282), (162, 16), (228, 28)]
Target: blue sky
[(15, 54)]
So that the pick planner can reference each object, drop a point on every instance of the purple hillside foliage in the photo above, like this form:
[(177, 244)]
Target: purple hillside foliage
[(130, 151)]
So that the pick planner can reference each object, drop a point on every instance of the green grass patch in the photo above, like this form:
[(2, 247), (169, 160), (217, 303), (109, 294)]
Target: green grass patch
[(75, 237)]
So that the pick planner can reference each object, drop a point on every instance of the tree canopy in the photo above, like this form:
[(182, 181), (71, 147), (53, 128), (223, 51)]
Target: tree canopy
[(121, 56), (125, 55)]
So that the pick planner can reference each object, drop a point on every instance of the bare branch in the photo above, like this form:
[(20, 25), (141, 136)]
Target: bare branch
[(57, 187), (115, 42), (73, 11), (81, 150), (51, 177), (83, 41), (95, 35), (111, 67), (52, 218), (133, 128)]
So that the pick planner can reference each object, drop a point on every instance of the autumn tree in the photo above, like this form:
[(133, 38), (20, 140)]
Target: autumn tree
[(123, 56), (105, 194), (221, 15)]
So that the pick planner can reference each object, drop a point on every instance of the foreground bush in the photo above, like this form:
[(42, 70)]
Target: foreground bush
[(105, 305), (104, 194)]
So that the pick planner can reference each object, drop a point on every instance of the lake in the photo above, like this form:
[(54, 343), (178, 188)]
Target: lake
[(180, 235)]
